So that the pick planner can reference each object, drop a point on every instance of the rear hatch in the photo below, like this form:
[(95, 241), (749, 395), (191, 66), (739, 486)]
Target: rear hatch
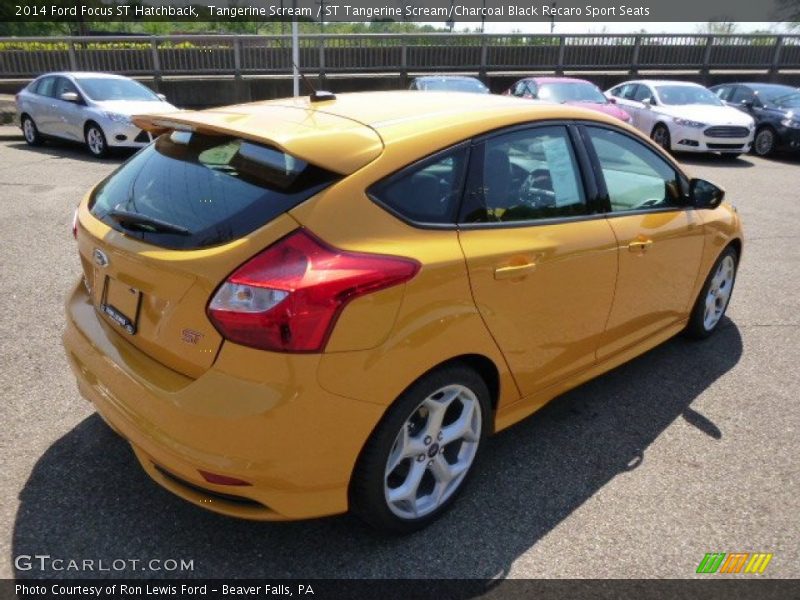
[(158, 236)]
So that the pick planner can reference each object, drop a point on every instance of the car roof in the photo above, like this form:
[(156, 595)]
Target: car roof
[(661, 82), (761, 84), (443, 77), (350, 131), (547, 79), (84, 75)]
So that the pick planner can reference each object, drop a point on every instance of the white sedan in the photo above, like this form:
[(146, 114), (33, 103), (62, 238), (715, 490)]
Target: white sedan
[(93, 108), (685, 117)]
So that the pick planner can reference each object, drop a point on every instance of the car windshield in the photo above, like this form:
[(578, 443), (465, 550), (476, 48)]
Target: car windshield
[(578, 91), (453, 85), (784, 97), (678, 95), (100, 89)]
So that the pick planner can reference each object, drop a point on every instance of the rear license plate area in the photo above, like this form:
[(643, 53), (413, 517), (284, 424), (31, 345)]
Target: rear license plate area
[(121, 303)]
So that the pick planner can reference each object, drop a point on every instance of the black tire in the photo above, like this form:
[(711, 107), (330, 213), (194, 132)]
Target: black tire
[(697, 327), (764, 141), (660, 135), (370, 483), (31, 132), (95, 140)]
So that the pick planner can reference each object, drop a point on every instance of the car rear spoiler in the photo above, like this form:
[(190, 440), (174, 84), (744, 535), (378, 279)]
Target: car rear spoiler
[(329, 141)]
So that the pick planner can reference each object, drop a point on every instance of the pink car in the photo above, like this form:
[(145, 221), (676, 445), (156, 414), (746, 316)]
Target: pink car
[(566, 90)]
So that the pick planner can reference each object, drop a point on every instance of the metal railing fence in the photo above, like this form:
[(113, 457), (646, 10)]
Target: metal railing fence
[(242, 55)]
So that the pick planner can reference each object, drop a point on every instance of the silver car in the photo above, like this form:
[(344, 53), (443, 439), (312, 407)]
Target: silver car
[(94, 108)]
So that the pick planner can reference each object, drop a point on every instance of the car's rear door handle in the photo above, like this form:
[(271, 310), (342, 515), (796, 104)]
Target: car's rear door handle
[(640, 245), (512, 271)]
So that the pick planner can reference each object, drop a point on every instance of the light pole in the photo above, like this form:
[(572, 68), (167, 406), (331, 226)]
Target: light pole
[(553, 17)]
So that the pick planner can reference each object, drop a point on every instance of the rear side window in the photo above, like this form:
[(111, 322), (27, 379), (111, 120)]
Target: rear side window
[(524, 175), (44, 87), (427, 192), (189, 190)]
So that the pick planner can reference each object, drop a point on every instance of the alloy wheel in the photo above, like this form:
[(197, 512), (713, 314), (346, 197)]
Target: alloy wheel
[(95, 141), (719, 293), (29, 130), (661, 137), (433, 452), (765, 141)]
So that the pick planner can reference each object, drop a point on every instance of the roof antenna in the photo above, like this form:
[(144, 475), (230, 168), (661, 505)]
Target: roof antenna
[(314, 96)]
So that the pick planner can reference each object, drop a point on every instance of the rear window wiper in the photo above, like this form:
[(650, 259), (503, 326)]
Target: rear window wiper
[(140, 222)]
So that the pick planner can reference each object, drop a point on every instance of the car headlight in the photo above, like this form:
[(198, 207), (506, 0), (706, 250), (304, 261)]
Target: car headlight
[(791, 122), (689, 123), (118, 118)]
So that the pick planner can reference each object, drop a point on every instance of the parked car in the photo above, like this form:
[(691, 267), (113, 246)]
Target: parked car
[(775, 108), (93, 108), (448, 83), (298, 308), (684, 116), (566, 90)]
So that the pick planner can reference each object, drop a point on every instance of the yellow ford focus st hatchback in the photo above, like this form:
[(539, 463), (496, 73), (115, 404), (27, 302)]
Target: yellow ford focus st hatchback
[(297, 308)]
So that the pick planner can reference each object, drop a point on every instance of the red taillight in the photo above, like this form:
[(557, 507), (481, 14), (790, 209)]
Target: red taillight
[(222, 479), (75, 224), (288, 297)]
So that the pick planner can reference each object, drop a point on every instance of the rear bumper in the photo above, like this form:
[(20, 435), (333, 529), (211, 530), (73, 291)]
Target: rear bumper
[(293, 441)]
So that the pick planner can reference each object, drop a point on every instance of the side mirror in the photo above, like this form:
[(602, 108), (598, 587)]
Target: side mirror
[(612, 99), (705, 194), (650, 101), (70, 97), (748, 104), (162, 97)]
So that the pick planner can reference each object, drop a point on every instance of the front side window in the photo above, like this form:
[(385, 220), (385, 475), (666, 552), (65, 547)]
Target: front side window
[(522, 176), (427, 192), (636, 177), (743, 94), (642, 94), (64, 85)]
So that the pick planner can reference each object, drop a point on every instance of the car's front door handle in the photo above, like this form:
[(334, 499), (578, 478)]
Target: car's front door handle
[(640, 245), (512, 271)]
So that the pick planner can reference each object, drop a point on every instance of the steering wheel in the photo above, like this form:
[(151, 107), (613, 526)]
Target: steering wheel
[(648, 203), (537, 189)]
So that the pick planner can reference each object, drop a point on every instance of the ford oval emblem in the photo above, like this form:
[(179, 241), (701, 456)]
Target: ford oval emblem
[(100, 258)]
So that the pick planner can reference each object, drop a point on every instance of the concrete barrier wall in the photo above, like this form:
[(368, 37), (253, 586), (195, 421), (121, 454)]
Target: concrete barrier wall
[(197, 93), (202, 92)]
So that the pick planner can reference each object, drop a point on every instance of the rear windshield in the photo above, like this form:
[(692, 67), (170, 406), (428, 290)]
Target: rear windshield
[(189, 190)]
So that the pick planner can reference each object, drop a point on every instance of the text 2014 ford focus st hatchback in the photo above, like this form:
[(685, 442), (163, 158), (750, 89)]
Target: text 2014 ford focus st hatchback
[(298, 308)]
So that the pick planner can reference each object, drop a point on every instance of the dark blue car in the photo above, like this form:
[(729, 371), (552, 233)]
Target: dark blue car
[(775, 108)]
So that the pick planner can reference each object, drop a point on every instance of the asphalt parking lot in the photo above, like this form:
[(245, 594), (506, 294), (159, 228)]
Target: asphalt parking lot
[(691, 448)]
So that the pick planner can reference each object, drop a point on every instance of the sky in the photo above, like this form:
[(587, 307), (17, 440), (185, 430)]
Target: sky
[(613, 27)]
